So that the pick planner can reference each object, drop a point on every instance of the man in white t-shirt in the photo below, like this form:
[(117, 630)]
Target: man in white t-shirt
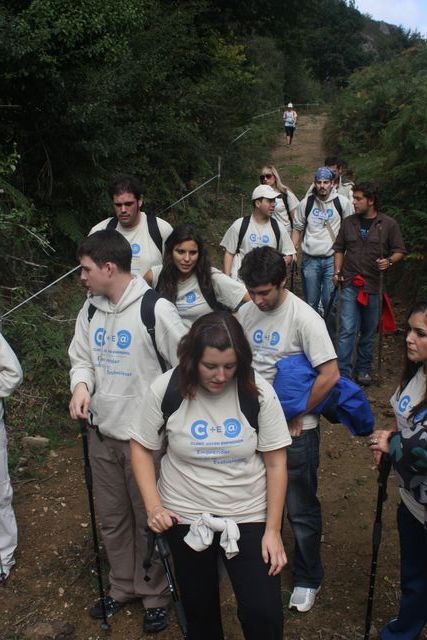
[(258, 230), (146, 234), (277, 323), (317, 223)]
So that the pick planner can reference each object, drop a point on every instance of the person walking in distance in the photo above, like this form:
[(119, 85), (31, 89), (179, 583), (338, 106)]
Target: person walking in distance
[(146, 233), (113, 361), (277, 323), (368, 245), (290, 122)]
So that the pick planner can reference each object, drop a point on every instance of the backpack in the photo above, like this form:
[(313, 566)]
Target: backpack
[(172, 400), (148, 302), (310, 201), (244, 227), (153, 229)]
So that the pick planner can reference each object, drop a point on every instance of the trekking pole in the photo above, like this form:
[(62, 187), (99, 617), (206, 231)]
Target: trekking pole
[(380, 327), (331, 302), (105, 625), (159, 541), (383, 472)]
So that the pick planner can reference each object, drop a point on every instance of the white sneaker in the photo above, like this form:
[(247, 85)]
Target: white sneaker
[(303, 598)]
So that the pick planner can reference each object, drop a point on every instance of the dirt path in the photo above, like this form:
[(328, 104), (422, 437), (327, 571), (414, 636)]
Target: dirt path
[(52, 579)]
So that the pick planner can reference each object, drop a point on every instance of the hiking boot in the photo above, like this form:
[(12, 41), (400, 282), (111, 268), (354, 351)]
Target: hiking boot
[(155, 619), (111, 607), (365, 379), (303, 598)]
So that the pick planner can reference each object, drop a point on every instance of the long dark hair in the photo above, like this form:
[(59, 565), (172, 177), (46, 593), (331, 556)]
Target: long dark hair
[(167, 283), (219, 330), (410, 368)]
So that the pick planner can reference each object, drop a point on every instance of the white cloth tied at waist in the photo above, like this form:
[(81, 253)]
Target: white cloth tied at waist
[(201, 533)]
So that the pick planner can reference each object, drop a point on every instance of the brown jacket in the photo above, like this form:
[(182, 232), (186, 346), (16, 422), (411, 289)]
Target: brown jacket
[(360, 255)]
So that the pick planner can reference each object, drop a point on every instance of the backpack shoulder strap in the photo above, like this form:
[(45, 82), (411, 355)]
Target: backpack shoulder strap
[(112, 223), (154, 231), (90, 311), (284, 197), (309, 205), (243, 228), (338, 206), (172, 399), (249, 404), (276, 230), (148, 303)]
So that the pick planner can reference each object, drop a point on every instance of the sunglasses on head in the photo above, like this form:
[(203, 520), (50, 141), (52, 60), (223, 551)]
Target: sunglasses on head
[(263, 176)]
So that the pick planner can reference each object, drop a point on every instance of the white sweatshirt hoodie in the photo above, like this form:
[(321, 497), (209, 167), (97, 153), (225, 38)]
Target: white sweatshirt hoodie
[(114, 356), (10, 372)]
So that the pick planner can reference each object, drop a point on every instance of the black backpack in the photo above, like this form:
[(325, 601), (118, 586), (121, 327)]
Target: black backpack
[(310, 201), (172, 400), (148, 302), (153, 229), (244, 227)]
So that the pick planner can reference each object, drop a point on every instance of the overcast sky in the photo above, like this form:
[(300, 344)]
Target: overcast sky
[(410, 14)]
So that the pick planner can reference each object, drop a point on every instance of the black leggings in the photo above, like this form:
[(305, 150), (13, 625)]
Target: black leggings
[(258, 595)]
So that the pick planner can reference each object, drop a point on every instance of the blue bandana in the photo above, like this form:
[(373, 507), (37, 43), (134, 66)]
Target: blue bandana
[(323, 173)]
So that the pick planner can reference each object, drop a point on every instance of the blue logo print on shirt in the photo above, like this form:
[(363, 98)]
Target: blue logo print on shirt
[(190, 297), (232, 428), (100, 337), (270, 339), (124, 338), (265, 239), (252, 237), (199, 429), (404, 402), (136, 248)]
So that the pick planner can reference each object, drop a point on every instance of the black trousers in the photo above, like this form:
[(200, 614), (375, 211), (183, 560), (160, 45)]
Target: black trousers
[(258, 595)]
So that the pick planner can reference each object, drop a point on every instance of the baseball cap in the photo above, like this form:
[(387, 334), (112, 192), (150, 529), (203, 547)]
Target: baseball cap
[(264, 191), (290, 105)]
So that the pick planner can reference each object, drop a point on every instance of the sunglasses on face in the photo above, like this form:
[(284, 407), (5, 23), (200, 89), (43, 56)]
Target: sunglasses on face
[(265, 176)]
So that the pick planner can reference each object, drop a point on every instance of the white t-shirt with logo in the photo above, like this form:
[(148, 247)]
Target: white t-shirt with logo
[(293, 328), (190, 301), (145, 253), (257, 235), (213, 462), (403, 404), (317, 240)]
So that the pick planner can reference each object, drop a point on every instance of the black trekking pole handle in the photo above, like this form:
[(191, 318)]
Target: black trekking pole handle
[(105, 625)]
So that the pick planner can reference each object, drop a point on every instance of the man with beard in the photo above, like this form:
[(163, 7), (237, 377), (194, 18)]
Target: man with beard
[(145, 233), (318, 219), (369, 243)]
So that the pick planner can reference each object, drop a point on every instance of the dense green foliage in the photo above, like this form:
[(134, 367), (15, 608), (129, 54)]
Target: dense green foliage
[(379, 123)]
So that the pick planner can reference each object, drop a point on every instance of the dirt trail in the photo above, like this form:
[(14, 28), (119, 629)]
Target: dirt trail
[(52, 579)]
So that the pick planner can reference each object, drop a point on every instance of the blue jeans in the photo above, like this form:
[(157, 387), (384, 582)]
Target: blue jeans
[(355, 319), (303, 507), (413, 580), (317, 280)]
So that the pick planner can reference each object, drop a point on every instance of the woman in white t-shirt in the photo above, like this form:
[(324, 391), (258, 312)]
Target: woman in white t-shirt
[(222, 479), (407, 447), (189, 281), (286, 201)]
